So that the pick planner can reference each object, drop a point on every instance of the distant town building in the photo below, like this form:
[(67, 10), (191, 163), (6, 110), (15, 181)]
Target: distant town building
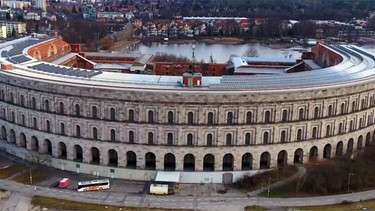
[(20, 27), (89, 12), (3, 31), (15, 4), (32, 16), (40, 4)]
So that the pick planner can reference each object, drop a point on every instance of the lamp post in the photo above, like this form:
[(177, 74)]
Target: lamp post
[(269, 184), (193, 57), (350, 174), (31, 175)]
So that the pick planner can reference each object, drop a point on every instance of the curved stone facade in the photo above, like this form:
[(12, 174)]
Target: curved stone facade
[(142, 131)]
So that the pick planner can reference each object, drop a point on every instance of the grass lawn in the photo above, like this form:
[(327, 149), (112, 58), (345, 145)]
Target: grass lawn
[(38, 175), (11, 170), (60, 204)]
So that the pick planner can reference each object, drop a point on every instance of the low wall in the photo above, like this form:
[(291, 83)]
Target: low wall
[(123, 173)]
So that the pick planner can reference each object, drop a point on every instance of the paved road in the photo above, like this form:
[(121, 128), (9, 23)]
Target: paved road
[(174, 201)]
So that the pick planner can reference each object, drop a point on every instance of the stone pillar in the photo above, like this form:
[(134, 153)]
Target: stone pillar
[(237, 164), (86, 155), (218, 162), (159, 163), (179, 163)]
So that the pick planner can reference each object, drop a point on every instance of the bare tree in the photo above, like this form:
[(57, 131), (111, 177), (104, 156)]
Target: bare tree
[(39, 159), (251, 52), (287, 54)]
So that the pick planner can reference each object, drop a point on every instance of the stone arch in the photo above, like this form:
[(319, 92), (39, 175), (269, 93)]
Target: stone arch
[(78, 153), (169, 162), (247, 161), (34, 144), (228, 162), (368, 139), (23, 142), (62, 153), (112, 158), (360, 142), (3, 133), (189, 162), (265, 160), (47, 147), (131, 160), (95, 156), (339, 148), (327, 151), (208, 162), (150, 161), (12, 136), (298, 156), (350, 147), (282, 158), (313, 155)]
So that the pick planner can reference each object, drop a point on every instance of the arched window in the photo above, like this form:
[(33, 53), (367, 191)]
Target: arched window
[(342, 109), (190, 118), (341, 128), (13, 117), (113, 114), (247, 139), (131, 115), (265, 138), (170, 139), (46, 105), (150, 138), (131, 137), (62, 129), (11, 97), (23, 120), (35, 124), (328, 130), (363, 104), (283, 137), (316, 112), (330, 110), (229, 118), (360, 123), (22, 100), (267, 117), (170, 117), (48, 126), (78, 131), (61, 108), (113, 135), (94, 112), (150, 116), (299, 135), (33, 103), (210, 118), (95, 133), (189, 140), (301, 114), (315, 132), (228, 139), (285, 116), (77, 110), (248, 117), (209, 139), (353, 106), (351, 125)]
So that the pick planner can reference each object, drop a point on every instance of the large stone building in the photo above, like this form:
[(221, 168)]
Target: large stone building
[(215, 130)]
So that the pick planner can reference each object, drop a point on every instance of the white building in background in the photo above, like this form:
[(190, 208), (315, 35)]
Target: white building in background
[(19, 26), (32, 16), (40, 4), (15, 4), (3, 31)]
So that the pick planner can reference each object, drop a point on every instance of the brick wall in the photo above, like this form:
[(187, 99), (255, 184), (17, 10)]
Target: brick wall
[(50, 50)]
